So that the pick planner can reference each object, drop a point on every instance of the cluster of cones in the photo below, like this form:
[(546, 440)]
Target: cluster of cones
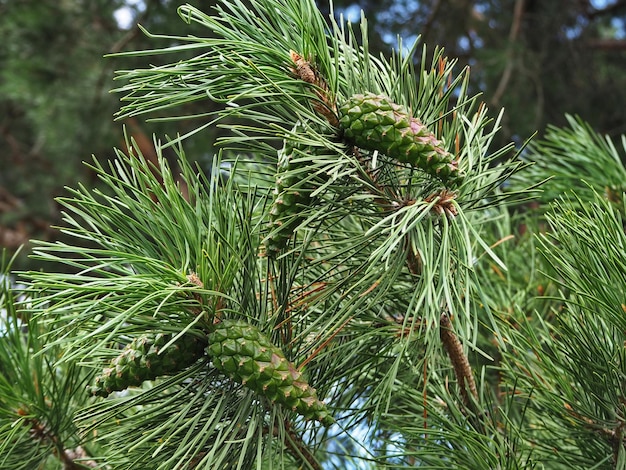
[(236, 348)]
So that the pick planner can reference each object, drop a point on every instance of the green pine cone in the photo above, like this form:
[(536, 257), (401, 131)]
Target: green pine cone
[(374, 122), (247, 356), (290, 194), (141, 360)]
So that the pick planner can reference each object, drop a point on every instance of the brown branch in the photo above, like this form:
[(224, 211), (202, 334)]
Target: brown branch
[(121, 43), (118, 46), (43, 434), (13, 143), (68, 463), (134, 31), (413, 259), (462, 369), (428, 24), (607, 44), (613, 436), (79, 453), (325, 343), (518, 13), (296, 447)]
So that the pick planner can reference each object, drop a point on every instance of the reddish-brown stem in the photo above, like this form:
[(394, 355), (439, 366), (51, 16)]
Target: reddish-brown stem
[(39, 431), (297, 448)]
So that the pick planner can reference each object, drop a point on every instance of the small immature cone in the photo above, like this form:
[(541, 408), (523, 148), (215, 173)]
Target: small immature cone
[(374, 122), (461, 365), (290, 194), (243, 353), (143, 359), (325, 105)]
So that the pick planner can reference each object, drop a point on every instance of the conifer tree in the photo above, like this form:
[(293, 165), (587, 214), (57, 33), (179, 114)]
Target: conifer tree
[(356, 284)]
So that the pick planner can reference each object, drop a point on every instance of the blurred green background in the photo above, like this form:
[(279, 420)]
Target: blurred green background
[(538, 59)]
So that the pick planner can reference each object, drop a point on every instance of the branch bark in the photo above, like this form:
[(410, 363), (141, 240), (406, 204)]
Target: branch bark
[(428, 24), (298, 449), (518, 13), (607, 44)]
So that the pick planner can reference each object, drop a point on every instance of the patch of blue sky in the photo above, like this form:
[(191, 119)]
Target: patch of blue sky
[(598, 4), (399, 9), (352, 13), (619, 26), (125, 16)]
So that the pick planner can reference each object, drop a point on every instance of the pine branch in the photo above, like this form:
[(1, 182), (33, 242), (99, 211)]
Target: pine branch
[(40, 432), (576, 159), (36, 393), (332, 257), (576, 398)]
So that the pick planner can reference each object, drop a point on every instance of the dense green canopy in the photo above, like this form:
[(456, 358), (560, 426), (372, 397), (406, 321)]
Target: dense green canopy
[(537, 59), (363, 271)]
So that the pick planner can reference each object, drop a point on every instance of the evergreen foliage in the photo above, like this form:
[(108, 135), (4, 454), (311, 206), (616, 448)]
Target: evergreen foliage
[(338, 288)]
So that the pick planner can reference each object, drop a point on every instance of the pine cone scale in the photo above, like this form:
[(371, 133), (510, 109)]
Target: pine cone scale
[(374, 122), (144, 359), (255, 362)]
